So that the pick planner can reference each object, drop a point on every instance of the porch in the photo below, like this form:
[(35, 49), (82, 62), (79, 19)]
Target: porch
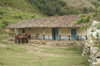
[(39, 41), (60, 37), (68, 34)]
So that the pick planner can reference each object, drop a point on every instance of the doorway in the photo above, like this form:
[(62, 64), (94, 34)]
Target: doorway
[(73, 33), (55, 34)]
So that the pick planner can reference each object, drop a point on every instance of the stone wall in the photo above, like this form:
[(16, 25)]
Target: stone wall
[(94, 52), (54, 43)]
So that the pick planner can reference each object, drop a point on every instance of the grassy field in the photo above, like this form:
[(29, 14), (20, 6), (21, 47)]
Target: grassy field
[(33, 55)]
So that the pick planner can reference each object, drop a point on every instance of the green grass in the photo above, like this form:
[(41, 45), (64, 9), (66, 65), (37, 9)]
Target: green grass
[(13, 15), (19, 4), (31, 55)]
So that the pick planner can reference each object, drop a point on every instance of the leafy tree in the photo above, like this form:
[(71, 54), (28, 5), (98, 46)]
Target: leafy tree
[(57, 7)]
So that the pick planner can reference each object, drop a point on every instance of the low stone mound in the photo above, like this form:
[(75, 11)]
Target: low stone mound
[(94, 52), (11, 39)]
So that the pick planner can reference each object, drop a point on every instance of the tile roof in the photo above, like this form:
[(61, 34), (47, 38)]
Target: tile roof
[(52, 22)]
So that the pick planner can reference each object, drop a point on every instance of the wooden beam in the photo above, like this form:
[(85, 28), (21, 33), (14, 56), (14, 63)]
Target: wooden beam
[(44, 33)]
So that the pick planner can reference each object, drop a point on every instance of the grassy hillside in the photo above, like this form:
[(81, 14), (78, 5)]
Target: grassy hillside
[(9, 16), (52, 7), (19, 4), (16, 10), (62, 7)]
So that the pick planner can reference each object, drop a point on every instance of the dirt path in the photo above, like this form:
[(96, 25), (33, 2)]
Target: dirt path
[(2, 45)]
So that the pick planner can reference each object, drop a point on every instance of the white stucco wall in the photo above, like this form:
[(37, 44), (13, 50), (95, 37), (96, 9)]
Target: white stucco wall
[(64, 32), (81, 31), (89, 31), (34, 31), (48, 32), (18, 31)]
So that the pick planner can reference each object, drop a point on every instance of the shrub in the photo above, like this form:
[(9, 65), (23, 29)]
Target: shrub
[(5, 23), (33, 16), (92, 30), (81, 15), (93, 14), (62, 3), (0, 17), (1, 13), (82, 20), (98, 26)]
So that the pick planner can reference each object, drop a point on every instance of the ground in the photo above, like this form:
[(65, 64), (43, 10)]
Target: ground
[(33, 55)]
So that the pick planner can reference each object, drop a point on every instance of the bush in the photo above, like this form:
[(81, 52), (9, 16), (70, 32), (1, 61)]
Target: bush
[(0, 17), (82, 15), (98, 26), (62, 3), (33, 16), (93, 14), (82, 20), (18, 17), (1, 13)]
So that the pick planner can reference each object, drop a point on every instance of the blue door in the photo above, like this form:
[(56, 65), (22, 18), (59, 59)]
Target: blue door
[(55, 34), (73, 34), (23, 30)]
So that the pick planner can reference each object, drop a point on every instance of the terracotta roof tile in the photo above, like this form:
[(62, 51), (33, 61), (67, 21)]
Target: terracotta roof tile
[(60, 21)]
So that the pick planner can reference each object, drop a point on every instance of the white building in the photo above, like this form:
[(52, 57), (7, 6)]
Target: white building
[(53, 28)]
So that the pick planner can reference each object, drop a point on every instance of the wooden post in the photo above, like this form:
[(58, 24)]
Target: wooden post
[(69, 38), (29, 30), (59, 37), (77, 38), (20, 30), (43, 33), (86, 37), (69, 33)]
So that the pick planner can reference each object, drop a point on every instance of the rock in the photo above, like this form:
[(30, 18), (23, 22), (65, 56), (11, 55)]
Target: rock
[(43, 42), (11, 39), (94, 64), (88, 48), (98, 61), (94, 51)]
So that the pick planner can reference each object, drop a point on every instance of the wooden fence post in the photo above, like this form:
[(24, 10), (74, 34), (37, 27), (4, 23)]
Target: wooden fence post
[(59, 37), (43, 37), (69, 38)]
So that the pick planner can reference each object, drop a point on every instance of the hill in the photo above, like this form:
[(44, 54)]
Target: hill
[(15, 10), (9, 15), (83, 3)]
